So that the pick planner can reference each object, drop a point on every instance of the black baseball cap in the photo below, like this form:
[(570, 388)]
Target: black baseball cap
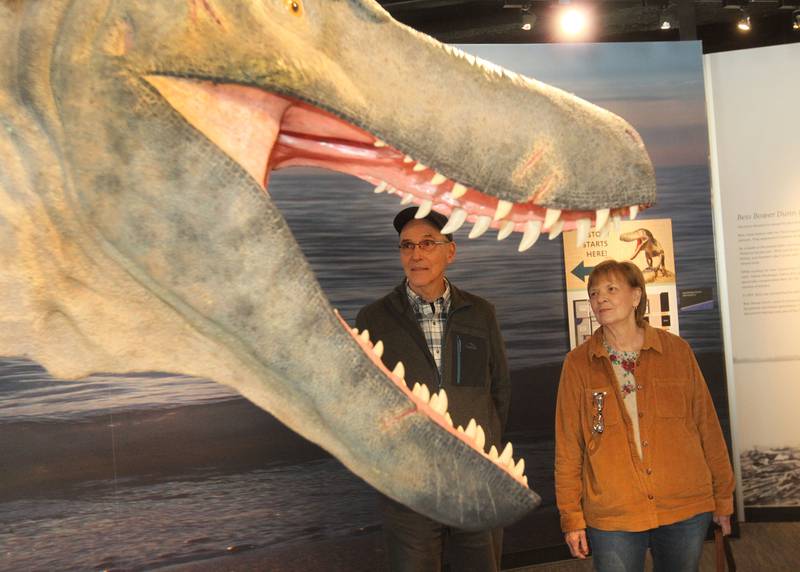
[(407, 215)]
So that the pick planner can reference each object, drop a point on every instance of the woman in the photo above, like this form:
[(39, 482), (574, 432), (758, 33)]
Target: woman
[(640, 457)]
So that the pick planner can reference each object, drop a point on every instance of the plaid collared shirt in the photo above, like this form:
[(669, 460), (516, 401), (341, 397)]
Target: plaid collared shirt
[(432, 317)]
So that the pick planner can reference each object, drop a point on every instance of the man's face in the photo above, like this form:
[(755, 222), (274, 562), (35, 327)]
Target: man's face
[(425, 270)]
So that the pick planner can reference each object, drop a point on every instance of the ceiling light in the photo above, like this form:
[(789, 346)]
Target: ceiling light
[(528, 19), (573, 21), (665, 18), (744, 22)]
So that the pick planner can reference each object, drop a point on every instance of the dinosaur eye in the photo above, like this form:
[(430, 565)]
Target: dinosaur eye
[(294, 6)]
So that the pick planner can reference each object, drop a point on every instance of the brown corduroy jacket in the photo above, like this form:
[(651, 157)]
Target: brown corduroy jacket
[(684, 469)]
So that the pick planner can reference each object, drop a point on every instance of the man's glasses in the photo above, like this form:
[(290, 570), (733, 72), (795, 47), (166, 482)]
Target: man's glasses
[(426, 245)]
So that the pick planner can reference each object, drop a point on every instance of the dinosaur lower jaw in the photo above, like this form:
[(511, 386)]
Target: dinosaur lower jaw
[(262, 131), (434, 407)]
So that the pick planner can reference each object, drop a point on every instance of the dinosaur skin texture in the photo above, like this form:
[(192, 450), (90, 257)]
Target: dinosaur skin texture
[(137, 232)]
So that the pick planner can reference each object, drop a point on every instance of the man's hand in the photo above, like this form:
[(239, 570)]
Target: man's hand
[(579, 546), (724, 522)]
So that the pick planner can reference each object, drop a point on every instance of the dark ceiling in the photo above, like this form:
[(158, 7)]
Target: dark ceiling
[(499, 21)]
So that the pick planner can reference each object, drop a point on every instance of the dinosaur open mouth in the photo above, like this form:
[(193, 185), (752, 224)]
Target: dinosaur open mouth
[(263, 131)]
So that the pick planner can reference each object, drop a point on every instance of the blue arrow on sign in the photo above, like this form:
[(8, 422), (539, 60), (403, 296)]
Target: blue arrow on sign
[(581, 271)]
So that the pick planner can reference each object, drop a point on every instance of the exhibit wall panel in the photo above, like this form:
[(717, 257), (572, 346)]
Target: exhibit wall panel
[(752, 101)]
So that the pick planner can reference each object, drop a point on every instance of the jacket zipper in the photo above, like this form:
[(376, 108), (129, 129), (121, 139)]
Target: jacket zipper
[(458, 360)]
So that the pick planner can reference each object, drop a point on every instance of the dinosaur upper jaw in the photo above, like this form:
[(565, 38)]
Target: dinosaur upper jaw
[(263, 131)]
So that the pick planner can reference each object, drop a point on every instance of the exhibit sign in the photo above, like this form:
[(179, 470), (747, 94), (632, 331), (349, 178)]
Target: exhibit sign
[(646, 243)]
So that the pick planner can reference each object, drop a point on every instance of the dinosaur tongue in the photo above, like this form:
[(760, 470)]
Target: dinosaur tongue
[(263, 131)]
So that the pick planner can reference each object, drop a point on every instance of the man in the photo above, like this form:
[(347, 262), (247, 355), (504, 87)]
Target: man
[(446, 338)]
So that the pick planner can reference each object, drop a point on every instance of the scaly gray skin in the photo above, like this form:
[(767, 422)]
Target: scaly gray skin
[(129, 241)]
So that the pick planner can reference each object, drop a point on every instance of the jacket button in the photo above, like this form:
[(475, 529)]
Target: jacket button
[(649, 471), (650, 497), (640, 387), (641, 414), (644, 443)]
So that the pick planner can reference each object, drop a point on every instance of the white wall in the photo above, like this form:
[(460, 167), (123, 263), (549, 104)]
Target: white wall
[(754, 121)]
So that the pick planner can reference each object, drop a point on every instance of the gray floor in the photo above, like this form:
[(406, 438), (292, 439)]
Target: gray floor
[(761, 547)]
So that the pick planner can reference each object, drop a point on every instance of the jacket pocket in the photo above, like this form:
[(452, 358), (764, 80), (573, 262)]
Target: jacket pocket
[(470, 360), (671, 396)]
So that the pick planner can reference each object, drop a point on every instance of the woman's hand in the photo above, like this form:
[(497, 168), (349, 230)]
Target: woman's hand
[(724, 522), (579, 546)]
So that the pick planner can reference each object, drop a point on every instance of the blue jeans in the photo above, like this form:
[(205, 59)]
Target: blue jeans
[(675, 547)]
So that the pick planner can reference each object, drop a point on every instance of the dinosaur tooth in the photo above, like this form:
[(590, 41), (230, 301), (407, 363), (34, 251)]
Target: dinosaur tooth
[(471, 428), (480, 438), (424, 393), (532, 230), (419, 167), (443, 401), (438, 179), (601, 218), (364, 335), (503, 208), (481, 226), (407, 159), (424, 209), (458, 191), (493, 453), (448, 419), (377, 349), (583, 227), (550, 218), (379, 143), (556, 229), (505, 230), (407, 199), (507, 453), (439, 402), (399, 370), (519, 469), (457, 218), (381, 188), (617, 221)]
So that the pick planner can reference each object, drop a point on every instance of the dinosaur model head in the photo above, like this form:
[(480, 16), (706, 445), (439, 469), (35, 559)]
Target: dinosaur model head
[(137, 231)]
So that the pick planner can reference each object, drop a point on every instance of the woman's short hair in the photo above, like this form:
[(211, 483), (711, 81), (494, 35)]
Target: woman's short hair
[(628, 272)]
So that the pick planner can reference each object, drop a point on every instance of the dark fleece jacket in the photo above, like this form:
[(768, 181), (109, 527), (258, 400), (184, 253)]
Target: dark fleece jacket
[(474, 369)]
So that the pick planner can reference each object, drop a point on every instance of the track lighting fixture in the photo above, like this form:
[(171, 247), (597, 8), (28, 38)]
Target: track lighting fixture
[(665, 18), (744, 22), (528, 18)]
